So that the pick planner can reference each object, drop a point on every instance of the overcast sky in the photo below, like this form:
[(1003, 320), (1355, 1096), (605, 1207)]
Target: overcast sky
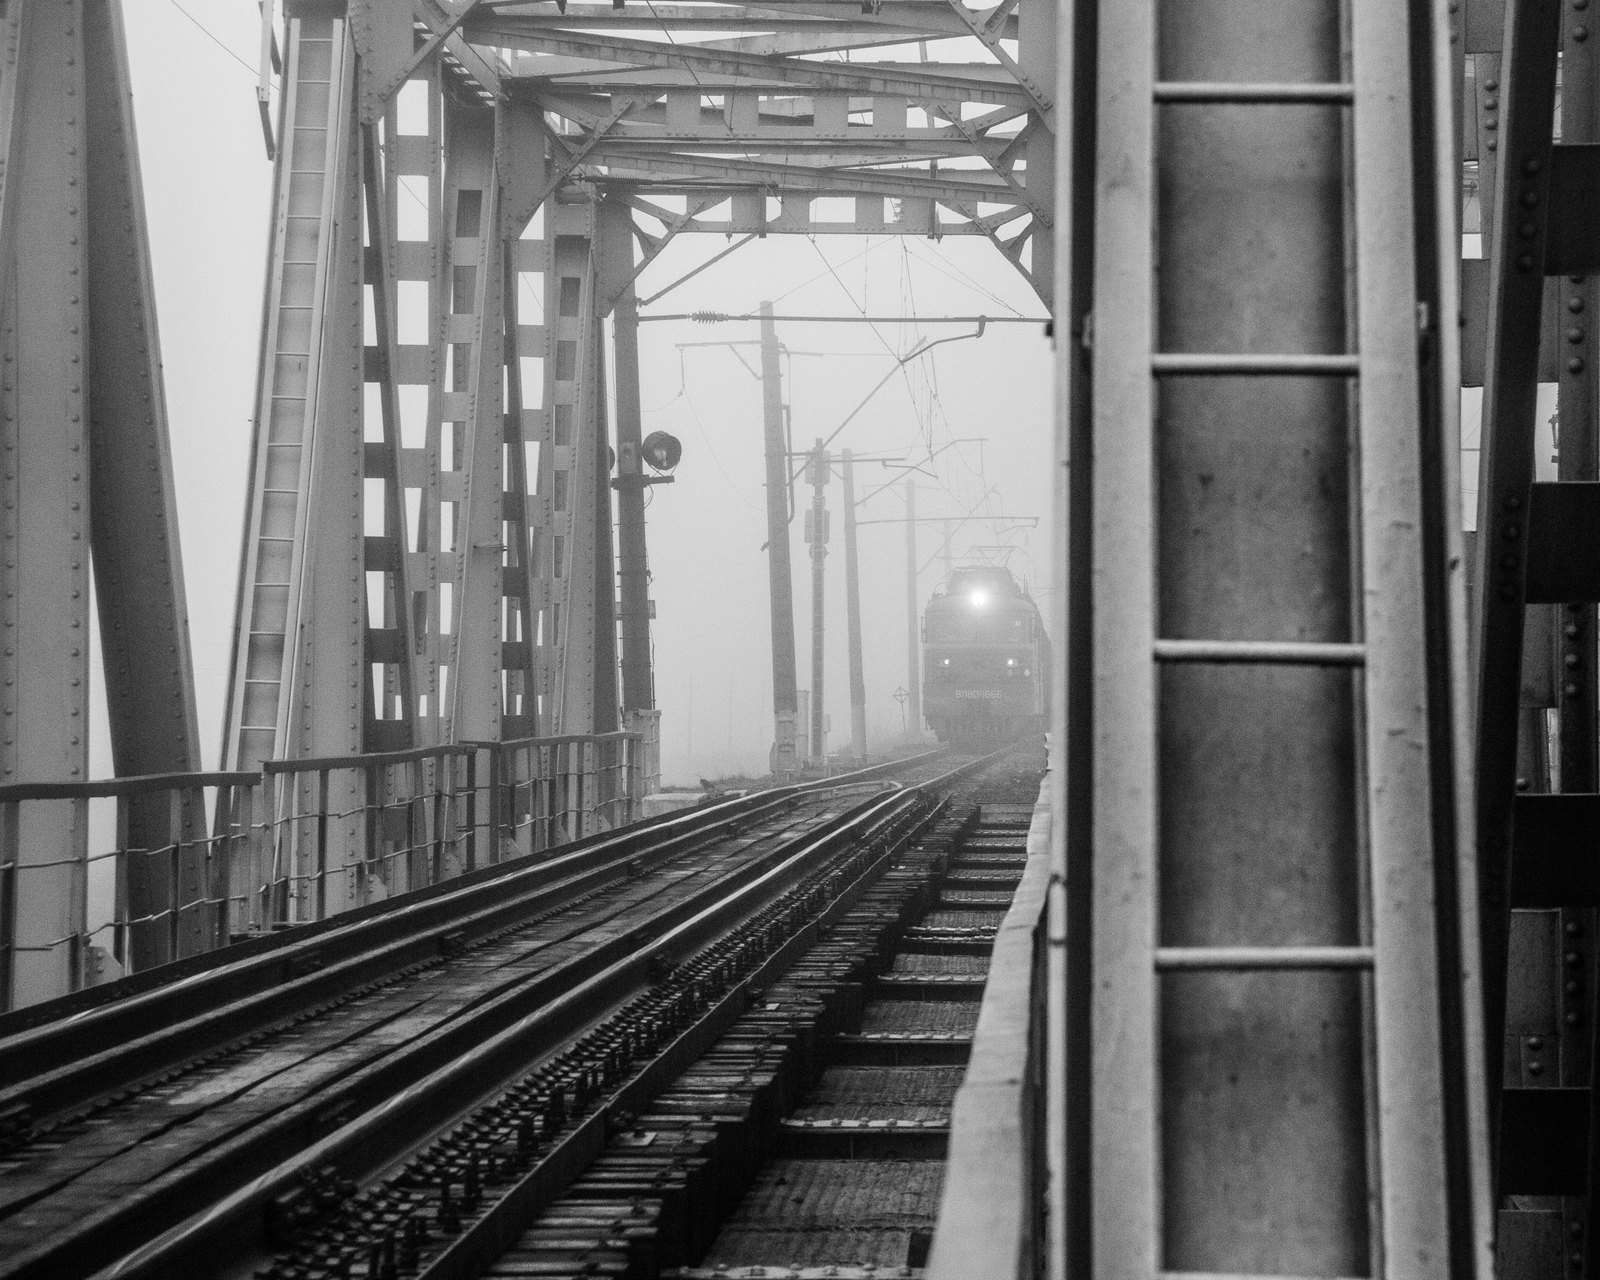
[(208, 189)]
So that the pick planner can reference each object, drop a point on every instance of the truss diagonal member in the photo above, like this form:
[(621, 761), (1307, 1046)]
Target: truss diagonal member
[(653, 245), (383, 460), (442, 24), (440, 34), (1004, 164), (995, 19), (991, 41), (990, 224), (1012, 248), (574, 156)]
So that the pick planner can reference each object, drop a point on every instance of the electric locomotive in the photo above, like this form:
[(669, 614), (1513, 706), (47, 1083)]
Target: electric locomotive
[(985, 659)]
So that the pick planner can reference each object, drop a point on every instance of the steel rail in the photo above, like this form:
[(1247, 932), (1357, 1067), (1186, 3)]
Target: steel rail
[(64, 1063), (81, 1079), (368, 1097), (383, 1110)]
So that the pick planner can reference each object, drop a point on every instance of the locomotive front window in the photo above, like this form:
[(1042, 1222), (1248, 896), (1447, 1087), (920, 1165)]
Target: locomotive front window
[(981, 629)]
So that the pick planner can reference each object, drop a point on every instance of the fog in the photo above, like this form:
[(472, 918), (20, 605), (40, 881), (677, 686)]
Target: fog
[(207, 190)]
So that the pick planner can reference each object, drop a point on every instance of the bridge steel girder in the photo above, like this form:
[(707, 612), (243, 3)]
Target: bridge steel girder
[(87, 483), (1215, 492)]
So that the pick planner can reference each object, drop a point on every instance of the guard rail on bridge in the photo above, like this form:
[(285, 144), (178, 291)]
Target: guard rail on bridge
[(178, 864)]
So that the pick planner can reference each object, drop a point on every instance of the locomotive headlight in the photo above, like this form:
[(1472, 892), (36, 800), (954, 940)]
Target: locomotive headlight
[(979, 599), (944, 662), (1026, 672), (1011, 662)]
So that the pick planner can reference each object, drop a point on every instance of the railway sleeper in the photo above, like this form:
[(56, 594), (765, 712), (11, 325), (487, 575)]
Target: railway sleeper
[(435, 1195), (742, 1131)]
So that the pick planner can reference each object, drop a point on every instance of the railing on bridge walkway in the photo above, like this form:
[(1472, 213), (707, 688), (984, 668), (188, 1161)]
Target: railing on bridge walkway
[(178, 864)]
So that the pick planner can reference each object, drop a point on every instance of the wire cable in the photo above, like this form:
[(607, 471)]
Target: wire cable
[(205, 31)]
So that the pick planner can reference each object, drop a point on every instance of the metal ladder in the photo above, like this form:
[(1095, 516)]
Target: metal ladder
[(1284, 1071), (286, 415)]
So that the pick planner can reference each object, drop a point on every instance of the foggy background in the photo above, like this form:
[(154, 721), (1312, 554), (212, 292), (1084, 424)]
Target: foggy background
[(207, 185)]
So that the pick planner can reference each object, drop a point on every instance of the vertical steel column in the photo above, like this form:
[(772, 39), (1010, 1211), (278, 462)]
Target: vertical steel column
[(1070, 1051), (1124, 1150), (947, 553), (475, 411), (586, 624), (391, 688), (44, 341), (144, 626), (566, 259), (852, 578), (785, 701), (1578, 403), (818, 469), (435, 483), (1426, 1104), (1506, 473), (913, 609), (638, 682), (523, 142), (331, 693), (523, 588)]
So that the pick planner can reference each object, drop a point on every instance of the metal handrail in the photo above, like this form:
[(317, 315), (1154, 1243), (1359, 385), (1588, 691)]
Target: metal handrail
[(232, 854)]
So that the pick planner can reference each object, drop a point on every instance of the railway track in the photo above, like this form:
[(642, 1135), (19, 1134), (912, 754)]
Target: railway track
[(392, 1024)]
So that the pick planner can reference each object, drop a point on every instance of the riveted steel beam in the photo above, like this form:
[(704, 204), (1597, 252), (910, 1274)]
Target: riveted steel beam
[(476, 423), (87, 487)]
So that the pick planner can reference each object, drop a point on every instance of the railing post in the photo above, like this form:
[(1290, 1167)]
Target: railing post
[(414, 797), (9, 853), (572, 783), (497, 807), (174, 852), (212, 869), (119, 892), (322, 843), (284, 854), (373, 843), (472, 809), (436, 871), (586, 788)]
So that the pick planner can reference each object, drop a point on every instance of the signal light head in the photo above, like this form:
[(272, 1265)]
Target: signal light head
[(661, 451)]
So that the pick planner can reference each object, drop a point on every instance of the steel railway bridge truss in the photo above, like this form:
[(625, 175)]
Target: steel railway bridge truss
[(428, 553), (1334, 903)]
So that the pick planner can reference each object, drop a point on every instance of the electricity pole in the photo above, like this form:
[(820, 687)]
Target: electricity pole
[(852, 580), (913, 663), (819, 469), (949, 558), (638, 682), (780, 585)]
